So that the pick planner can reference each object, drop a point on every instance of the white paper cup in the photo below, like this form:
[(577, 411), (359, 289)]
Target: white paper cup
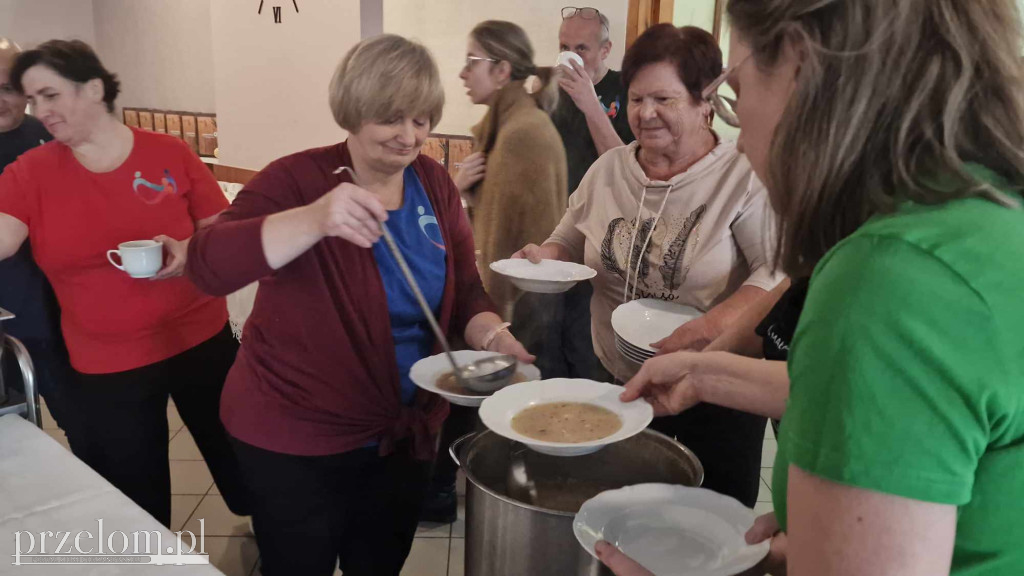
[(566, 57)]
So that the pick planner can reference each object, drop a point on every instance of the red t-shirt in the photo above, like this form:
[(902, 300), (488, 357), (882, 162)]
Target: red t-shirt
[(112, 322)]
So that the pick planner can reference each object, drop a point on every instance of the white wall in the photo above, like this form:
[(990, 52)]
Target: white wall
[(445, 31), (271, 79), (32, 22), (162, 50), (700, 13)]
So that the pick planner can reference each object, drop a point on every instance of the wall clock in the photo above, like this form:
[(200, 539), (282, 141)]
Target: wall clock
[(276, 10)]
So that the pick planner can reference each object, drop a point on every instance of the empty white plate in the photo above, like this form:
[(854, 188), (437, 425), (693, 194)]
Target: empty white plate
[(672, 530), (498, 410), (548, 277), (643, 322), (427, 371)]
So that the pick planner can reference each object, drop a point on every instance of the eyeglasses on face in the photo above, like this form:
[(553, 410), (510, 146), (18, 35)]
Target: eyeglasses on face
[(470, 60), (724, 106)]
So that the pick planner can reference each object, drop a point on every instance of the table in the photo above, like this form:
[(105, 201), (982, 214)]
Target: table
[(44, 488)]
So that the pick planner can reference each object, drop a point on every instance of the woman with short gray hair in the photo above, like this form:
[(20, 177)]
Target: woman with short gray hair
[(333, 437)]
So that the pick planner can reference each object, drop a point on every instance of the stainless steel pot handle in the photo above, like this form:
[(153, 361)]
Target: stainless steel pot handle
[(453, 450)]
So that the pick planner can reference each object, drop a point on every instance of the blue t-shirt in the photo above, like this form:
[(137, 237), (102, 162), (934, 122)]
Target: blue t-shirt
[(418, 236)]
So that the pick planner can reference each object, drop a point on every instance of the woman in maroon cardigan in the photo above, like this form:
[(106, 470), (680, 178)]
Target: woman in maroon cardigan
[(333, 438)]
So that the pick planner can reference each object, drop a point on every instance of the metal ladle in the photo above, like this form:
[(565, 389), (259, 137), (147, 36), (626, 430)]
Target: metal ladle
[(485, 375)]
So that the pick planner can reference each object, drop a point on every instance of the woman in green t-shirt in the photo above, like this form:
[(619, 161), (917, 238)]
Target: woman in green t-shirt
[(890, 136)]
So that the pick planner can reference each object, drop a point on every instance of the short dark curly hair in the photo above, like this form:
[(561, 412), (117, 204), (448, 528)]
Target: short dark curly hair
[(72, 59), (692, 51)]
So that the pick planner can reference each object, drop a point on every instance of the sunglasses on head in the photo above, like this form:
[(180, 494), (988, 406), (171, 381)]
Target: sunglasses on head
[(585, 13)]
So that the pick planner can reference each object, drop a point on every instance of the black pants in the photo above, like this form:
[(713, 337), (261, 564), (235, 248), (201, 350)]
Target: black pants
[(119, 424), (556, 329), (356, 509), (728, 444)]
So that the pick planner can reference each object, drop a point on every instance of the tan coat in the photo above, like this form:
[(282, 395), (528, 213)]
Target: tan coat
[(522, 196)]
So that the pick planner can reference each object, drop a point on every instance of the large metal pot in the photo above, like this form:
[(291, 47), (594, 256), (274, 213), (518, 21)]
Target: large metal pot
[(509, 537)]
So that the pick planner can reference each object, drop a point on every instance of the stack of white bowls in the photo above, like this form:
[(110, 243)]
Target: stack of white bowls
[(640, 323)]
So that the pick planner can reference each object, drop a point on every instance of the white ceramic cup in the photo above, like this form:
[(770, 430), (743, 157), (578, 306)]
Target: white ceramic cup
[(565, 57), (139, 258)]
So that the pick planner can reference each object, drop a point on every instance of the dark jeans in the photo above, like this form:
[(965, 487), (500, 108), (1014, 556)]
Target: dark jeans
[(120, 424), (355, 508), (556, 328), (728, 444)]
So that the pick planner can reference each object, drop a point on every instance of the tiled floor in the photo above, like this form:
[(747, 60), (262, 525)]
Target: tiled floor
[(437, 551)]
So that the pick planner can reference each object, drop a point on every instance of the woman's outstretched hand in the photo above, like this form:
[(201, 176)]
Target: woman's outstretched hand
[(667, 382)]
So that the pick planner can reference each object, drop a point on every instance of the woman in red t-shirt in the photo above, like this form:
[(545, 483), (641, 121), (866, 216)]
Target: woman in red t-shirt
[(132, 342)]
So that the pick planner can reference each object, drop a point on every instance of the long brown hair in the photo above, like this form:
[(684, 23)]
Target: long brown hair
[(508, 42), (893, 98)]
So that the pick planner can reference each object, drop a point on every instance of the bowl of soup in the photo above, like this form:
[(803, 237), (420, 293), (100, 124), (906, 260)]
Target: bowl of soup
[(435, 374), (564, 416)]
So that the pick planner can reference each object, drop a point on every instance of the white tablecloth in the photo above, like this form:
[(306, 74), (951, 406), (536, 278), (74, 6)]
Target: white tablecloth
[(43, 487)]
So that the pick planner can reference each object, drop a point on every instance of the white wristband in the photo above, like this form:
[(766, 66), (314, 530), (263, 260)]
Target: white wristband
[(489, 339)]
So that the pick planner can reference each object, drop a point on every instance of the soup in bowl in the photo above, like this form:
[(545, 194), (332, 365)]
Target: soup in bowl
[(564, 417), (568, 422)]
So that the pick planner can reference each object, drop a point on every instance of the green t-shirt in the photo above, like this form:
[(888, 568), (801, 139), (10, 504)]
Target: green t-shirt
[(907, 372)]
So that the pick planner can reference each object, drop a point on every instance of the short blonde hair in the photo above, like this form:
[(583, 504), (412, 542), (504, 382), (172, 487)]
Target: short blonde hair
[(384, 77)]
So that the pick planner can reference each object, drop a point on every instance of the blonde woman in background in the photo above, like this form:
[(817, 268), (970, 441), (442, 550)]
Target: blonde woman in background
[(515, 181), (519, 196)]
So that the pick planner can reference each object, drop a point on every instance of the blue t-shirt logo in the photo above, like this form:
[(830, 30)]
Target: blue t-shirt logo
[(427, 220), (409, 328)]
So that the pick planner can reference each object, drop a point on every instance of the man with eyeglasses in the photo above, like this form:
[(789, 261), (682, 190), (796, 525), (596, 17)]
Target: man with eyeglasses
[(591, 118), (23, 288)]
